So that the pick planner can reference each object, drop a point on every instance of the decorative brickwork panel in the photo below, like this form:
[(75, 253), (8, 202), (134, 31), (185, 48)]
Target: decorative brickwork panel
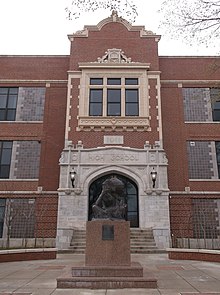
[(206, 218), (25, 160), (197, 104), (30, 106), (22, 217), (201, 159), (195, 222)]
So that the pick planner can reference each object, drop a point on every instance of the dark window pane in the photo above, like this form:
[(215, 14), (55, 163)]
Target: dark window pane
[(4, 171), (114, 109), (7, 144), (217, 146), (95, 104), (215, 100), (3, 90), (114, 95), (217, 105), (131, 95), (2, 115), (95, 109), (11, 115), (114, 81), (131, 81), (96, 81), (114, 102), (132, 202), (3, 101), (6, 157), (8, 103), (12, 101), (131, 109), (131, 102), (13, 90), (95, 95), (216, 115)]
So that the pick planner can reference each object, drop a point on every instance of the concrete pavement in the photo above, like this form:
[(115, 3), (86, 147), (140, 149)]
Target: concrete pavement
[(174, 277)]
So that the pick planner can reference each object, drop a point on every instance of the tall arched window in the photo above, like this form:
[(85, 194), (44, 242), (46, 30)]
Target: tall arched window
[(131, 193)]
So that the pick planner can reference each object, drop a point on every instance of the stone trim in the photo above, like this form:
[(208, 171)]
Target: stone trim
[(128, 123), (113, 123)]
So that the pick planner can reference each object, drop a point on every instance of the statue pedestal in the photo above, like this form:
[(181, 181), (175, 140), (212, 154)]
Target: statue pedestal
[(107, 260), (107, 243)]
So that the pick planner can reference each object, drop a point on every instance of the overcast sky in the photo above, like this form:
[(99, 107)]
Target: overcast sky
[(40, 27)]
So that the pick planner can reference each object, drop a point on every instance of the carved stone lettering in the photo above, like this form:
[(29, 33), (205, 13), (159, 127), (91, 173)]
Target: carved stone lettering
[(113, 139), (124, 158), (96, 158)]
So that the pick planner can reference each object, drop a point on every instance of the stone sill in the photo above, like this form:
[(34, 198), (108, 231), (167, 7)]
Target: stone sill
[(27, 254)]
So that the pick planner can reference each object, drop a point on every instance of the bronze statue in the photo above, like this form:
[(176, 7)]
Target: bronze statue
[(111, 202)]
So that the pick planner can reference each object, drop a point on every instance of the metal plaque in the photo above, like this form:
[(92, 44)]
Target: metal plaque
[(107, 232)]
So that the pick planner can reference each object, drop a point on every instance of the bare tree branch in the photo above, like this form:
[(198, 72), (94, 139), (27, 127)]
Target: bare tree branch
[(196, 21), (125, 8)]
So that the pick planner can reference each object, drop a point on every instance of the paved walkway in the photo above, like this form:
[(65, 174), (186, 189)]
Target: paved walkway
[(174, 277)]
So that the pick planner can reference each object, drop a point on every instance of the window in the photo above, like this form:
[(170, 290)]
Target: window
[(204, 159), (131, 102), (217, 146), (8, 103), (95, 102), (201, 104), (5, 158), (215, 100), (114, 102), (114, 97)]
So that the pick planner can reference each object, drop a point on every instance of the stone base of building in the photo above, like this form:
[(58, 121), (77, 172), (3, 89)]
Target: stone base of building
[(108, 260), (28, 243)]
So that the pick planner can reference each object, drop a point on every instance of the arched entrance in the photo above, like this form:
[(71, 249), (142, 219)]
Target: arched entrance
[(131, 193)]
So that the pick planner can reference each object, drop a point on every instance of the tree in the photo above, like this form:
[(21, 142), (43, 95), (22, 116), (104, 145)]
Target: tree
[(125, 8), (195, 21)]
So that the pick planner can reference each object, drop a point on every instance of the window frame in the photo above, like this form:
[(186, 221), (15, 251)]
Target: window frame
[(215, 103), (2, 164), (9, 93), (107, 87), (105, 122)]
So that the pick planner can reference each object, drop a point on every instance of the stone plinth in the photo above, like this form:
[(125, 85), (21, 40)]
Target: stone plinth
[(108, 260), (133, 270), (103, 249), (106, 282)]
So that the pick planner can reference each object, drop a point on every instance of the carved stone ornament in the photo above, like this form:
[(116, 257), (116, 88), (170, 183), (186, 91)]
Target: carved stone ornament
[(114, 55)]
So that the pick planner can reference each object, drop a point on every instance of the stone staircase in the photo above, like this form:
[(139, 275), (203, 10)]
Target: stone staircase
[(78, 242), (142, 242)]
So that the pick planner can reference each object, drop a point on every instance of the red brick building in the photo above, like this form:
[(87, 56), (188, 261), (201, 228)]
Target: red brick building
[(113, 107)]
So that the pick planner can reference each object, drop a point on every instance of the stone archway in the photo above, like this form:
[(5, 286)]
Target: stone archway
[(131, 194)]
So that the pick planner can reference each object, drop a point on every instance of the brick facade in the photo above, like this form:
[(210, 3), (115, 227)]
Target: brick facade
[(53, 133)]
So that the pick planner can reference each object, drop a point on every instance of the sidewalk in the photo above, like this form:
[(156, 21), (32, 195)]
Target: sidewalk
[(174, 277)]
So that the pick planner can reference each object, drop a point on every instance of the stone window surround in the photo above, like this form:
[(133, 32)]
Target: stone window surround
[(95, 70), (122, 86)]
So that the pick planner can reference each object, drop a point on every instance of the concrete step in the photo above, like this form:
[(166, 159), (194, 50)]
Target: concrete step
[(142, 241)]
